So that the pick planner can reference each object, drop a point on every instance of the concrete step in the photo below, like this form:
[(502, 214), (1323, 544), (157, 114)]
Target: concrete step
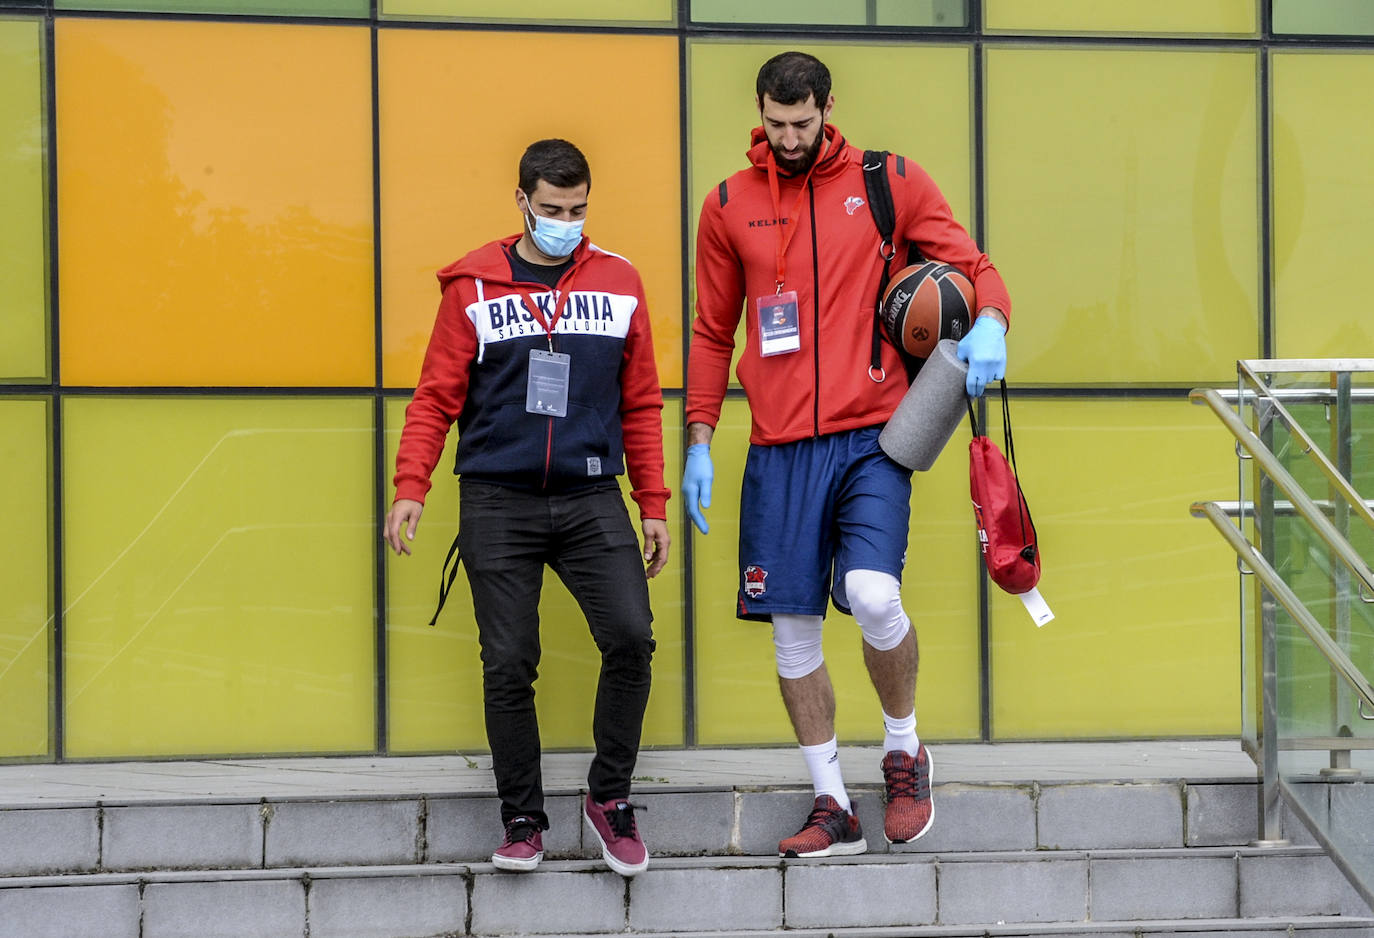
[(1205, 890), (283, 832)]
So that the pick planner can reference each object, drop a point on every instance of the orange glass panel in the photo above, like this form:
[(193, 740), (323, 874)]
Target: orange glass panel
[(451, 139), (215, 203)]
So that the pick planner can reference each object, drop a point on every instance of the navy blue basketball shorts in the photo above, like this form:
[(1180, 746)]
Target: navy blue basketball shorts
[(811, 511)]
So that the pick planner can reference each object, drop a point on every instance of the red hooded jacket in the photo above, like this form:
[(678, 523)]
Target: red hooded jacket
[(833, 264), (476, 371)]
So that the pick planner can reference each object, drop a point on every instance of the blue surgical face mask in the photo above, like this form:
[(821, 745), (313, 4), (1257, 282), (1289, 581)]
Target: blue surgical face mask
[(552, 237)]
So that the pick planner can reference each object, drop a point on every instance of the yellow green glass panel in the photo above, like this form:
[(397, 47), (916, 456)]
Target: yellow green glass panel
[(736, 673), (1145, 640), (1324, 17), (219, 576), (1323, 201), (1122, 206), (545, 12), (435, 673), (952, 13), (25, 597), (237, 7), (722, 112), (447, 190), (1093, 16), (23, 236), (215, 203)]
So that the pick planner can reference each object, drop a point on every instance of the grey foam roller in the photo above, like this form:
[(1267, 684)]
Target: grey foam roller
[(930, 412)]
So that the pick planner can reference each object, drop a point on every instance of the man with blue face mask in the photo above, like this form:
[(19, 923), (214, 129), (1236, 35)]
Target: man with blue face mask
[(542, 354)]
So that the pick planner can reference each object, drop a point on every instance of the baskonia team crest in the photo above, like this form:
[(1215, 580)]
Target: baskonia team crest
[(753, 580)]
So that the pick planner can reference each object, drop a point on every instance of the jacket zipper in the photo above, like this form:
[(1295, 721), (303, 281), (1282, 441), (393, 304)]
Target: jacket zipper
[(815, 314), (548, 441)]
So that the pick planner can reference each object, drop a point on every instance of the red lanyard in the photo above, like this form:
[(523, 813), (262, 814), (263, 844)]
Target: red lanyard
[(785, 232), (560, 305)]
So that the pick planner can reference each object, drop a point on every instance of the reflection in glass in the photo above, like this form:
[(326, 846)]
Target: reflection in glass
[(218, 575)]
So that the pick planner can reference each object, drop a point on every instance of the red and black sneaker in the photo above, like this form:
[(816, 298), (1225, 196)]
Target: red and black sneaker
[(829, 831), (522, 848), (910, 809), (613, 823)]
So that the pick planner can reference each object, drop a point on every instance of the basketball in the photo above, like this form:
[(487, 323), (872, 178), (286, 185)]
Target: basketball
[(925, 303)]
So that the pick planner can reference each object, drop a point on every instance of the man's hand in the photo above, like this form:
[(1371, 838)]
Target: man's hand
[(697, 476), (655, 544), (405, 512), (985, 350)]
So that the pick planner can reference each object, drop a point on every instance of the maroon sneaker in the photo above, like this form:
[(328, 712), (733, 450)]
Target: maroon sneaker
[(829, 831), (613, 822), (910, 810), (523, 847)]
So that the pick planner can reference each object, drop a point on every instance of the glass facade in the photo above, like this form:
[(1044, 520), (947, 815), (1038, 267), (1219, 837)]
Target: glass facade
[(217, 285)]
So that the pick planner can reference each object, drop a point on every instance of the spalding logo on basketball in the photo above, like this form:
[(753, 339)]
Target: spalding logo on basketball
[(925, 303)]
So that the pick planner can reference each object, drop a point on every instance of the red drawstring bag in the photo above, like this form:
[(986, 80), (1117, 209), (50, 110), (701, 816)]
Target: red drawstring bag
[(1005, 530)]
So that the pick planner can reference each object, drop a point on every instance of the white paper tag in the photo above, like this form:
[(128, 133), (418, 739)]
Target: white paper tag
[(1037, 607)]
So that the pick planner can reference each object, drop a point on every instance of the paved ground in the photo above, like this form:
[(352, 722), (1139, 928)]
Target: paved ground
[(355, 776)]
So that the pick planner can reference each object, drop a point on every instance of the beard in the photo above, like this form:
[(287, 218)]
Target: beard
[(802, 163)]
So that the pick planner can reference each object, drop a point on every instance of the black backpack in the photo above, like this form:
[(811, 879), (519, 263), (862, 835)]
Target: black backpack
[(879, 190)]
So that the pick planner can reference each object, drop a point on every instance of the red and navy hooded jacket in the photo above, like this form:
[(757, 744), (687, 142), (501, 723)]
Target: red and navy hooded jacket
[(476, 372), (833, 264)]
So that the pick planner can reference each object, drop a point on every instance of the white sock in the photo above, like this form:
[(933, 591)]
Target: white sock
[(824, 763), (900, 734)]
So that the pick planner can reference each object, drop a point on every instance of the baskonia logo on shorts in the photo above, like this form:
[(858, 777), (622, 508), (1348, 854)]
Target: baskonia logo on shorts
[(753, 580)]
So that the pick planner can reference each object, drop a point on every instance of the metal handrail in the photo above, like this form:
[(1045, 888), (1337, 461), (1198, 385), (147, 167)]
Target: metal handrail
[(1333, 475), (1300, 499), (1339, 660)]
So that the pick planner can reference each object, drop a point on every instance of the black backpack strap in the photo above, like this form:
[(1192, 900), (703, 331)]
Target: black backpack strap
[(446, 582), (879, 190)]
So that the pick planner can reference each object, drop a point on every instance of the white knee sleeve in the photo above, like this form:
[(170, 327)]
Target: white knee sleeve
[(797, 644), (876, 600)]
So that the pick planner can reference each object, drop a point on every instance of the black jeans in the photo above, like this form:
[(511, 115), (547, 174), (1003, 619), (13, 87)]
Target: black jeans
[(506, 537)]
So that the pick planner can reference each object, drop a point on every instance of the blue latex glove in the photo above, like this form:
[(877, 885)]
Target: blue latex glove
[(697, 476), (985, 350)]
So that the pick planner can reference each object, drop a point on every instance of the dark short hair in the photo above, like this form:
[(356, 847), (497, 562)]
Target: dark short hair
[(789, 77), (555, 161)]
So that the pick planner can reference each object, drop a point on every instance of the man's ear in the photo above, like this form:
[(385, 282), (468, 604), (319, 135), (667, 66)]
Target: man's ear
[(829, 106)]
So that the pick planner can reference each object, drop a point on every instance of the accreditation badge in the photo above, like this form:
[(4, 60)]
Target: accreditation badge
[(546, 391), (779, 330)]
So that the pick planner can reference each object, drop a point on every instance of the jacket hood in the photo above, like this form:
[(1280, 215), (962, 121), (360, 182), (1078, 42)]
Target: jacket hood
[(832, 162), (489, 262)]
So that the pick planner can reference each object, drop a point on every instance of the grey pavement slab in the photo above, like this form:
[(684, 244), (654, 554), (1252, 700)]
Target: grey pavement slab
[(226, 909), (1104, 816), (1296, 885), (1222, 815), (468, 829), (70, 912), (388, 906), (316, 777), (997, 817), (344, 833), (706, 899), (978, 892), (49, 840), (859, 895), (1173, 887), (552, 902), (151, 837)]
